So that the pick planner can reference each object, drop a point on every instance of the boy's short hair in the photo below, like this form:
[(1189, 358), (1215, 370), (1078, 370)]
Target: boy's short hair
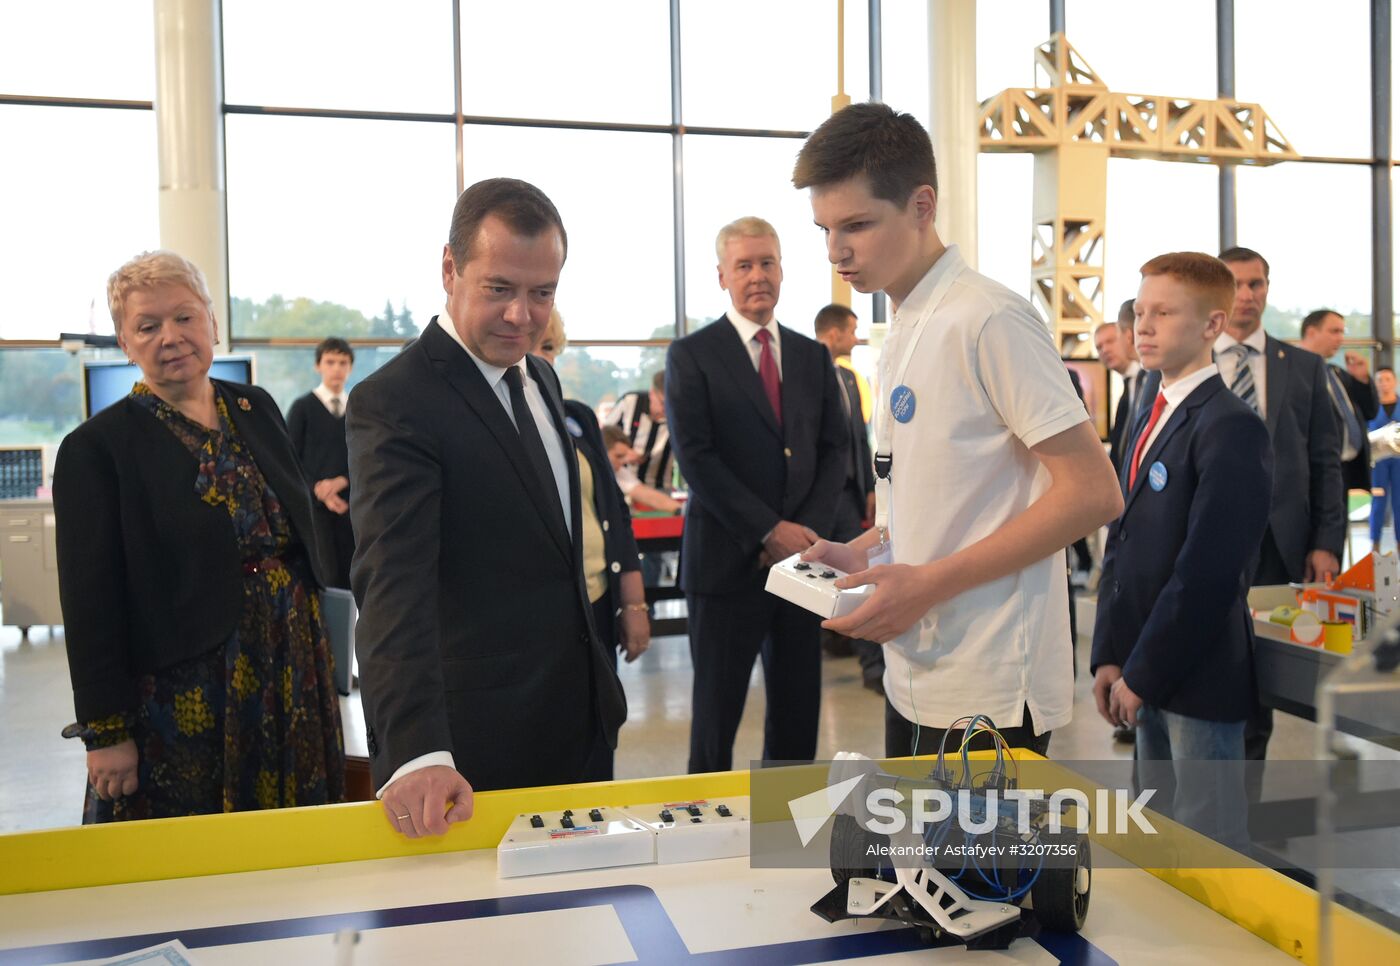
[(612, 435), (334, 344), (658, 381), (891, 149), (1207, 277)]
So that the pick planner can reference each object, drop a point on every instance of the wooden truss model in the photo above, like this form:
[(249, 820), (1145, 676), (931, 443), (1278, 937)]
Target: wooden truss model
[(1072, 124)]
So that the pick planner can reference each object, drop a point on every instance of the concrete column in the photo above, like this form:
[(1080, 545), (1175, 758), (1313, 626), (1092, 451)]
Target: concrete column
[(190, 137), (952, 54)]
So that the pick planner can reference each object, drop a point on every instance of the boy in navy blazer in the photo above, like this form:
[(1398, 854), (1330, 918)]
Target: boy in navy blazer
[(1173, 639)]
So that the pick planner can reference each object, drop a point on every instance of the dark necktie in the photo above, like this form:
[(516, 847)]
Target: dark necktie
[(1242, 384), (1351, 426), (335, 406), (768, 372), (1157, 406), (534, 445)]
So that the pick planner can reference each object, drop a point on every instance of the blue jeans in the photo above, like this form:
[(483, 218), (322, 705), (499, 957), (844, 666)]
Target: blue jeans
[(1203, 762), (1385, 475)]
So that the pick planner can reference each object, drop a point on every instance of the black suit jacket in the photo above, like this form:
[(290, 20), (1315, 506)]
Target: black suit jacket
[(619, 543), (1121, 435), (1306, 512), (148, 573), (1172, 608), (1356, 473), (475, 632), (746, 474), (864, 479)]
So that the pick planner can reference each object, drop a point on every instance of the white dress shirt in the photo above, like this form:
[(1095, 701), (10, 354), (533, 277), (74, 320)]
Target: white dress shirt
[(1176, 394), (748, 329), (553, 448), (1226, 363), (325, 395)]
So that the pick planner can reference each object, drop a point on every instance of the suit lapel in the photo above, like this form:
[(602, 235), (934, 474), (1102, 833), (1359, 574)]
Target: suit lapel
[(736, 361), (1276, 369), (1179, 418), (460, 372)]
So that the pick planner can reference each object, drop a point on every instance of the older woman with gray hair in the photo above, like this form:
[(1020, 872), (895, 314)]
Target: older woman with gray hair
[(201, 669)]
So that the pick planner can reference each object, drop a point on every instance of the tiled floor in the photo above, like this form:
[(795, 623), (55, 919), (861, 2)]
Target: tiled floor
[(41, 775)]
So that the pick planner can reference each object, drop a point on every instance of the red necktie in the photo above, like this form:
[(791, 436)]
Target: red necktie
[(1158, 405), (768, 372)]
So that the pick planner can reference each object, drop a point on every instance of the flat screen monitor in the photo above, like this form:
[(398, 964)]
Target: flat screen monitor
[(106, 382)]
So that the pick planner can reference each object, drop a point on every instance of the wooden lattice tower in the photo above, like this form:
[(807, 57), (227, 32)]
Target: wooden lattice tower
[(1072, 123)]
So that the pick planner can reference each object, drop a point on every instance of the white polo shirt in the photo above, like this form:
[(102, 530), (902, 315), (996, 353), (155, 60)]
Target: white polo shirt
[(988, 384)]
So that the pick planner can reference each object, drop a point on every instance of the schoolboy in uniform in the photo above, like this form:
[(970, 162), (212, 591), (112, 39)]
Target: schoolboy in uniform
[(1173, 640), (987, 464), (316, 423)]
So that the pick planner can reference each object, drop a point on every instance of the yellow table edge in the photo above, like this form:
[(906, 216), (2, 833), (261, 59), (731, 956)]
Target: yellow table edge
[(1273, 907)]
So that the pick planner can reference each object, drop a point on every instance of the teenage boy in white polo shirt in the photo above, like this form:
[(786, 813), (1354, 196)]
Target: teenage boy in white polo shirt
[(989, 466)]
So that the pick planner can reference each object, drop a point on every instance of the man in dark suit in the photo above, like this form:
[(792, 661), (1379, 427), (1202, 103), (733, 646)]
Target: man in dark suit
[(1353, 396), (316, 423), (1114, 343), (1173, 637), (478, 656), (758, 431), (1287, 387), (835, 327)]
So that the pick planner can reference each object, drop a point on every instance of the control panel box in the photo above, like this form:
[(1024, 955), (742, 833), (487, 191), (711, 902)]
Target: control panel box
[(812, 586), (573, 840), (697, 830)]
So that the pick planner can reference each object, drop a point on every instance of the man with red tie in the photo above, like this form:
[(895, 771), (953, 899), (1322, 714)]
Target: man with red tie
[(759, 433), (1173, 639)]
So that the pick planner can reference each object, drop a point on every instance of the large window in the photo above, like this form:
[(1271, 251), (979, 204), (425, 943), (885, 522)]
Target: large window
[(1155, 207), (344, 155), (73, 206), (581, 62), (79, 48), (757, 65), (1318, 260), (1150, 48), (355, 54), (342, 220), (715, 195), (613, 191), (1310, 69)]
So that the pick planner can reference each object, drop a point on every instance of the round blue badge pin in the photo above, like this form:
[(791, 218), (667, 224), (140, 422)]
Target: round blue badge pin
[(902, 403), (572, 425), (1157, 477)]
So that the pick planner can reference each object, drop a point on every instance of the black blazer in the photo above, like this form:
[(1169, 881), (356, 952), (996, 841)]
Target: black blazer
[(318, 438), (1306, 511), (745, 473), (1172, 608), (1121, 435), (860, 439), (619, 543), (475, 633), (1356, 473), (149, 575)]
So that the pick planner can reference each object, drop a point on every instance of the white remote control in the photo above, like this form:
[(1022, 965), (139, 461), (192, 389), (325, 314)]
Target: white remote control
[(812, 586)]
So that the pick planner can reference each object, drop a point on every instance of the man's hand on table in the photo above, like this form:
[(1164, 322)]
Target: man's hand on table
[(417, 804)]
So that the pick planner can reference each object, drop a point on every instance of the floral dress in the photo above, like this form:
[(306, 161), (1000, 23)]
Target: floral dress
[(254, 723)]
